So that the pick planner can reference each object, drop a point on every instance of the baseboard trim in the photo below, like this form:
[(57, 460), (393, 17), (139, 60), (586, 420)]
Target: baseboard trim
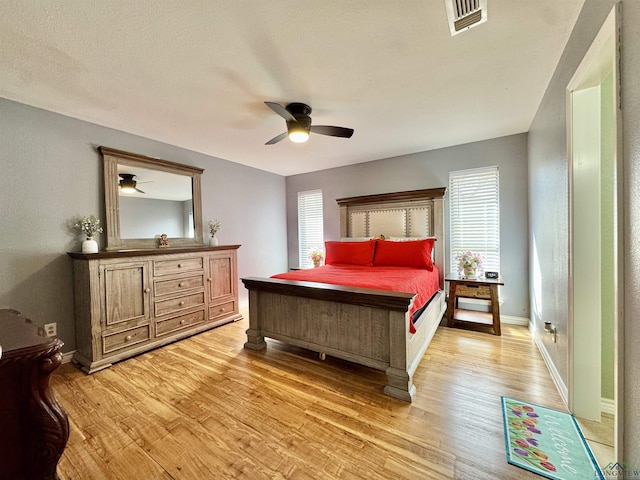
[(66, 357), (608, 405), (555, 375), (511, 320)]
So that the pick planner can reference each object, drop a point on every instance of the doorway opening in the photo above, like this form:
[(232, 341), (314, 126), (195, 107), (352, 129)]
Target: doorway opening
[(595, 236)]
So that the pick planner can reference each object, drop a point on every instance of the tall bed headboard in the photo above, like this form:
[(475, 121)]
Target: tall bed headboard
[(399, 215)]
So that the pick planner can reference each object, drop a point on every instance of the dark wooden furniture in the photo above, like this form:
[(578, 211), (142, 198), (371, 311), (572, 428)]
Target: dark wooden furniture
[(34, 427), (482, 288)]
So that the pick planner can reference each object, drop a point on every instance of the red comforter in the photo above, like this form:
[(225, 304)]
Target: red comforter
[(398, 279)]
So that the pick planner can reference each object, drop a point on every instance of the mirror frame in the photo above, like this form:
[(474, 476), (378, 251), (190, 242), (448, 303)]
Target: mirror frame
[(112, 158)]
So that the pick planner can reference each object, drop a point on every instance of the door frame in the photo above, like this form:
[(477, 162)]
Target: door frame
[(607, 41)]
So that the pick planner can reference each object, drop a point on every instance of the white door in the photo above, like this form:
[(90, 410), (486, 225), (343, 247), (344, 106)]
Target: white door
[(586, 256)]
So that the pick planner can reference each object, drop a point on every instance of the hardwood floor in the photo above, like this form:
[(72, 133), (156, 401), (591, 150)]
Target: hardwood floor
[(205, 408), (600, 437)]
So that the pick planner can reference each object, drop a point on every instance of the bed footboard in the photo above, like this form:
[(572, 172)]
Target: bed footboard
[(365, 326)]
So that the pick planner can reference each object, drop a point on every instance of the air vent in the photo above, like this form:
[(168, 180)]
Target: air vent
[(464, 14)]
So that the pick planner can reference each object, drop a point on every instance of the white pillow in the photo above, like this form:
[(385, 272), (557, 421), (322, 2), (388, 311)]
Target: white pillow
[(355, 239), (407, 239)]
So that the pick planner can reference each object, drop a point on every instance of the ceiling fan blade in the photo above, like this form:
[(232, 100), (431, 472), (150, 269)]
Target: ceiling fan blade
[(282, 136), (332, 131), (139, 191), (280, 110)]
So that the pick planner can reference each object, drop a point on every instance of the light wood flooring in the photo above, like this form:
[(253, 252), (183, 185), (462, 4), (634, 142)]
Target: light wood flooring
[(600, 437), (205, 408)]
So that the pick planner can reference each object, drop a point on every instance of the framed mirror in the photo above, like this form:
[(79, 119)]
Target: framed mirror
[(146, 197)]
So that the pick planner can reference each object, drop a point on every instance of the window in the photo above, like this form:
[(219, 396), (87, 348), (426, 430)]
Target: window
[(190, 228), (310, 225), (474, 215)]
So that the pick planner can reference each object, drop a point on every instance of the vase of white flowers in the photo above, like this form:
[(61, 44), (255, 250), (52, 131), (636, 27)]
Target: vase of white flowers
[(88, 227), (214, 226), (316, 255), (469, 263), (89, 245)]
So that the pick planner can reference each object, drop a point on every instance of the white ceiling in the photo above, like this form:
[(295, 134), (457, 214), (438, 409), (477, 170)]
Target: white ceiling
[(156, 184), (196, 73)]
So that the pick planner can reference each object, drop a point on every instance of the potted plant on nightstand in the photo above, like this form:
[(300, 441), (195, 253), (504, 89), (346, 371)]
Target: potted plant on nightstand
[(316, 255), (469, 263)]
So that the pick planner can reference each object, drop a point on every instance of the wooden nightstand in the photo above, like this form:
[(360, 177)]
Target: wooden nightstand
[(483, 288)]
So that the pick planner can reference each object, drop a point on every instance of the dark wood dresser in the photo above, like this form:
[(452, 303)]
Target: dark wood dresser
[(33, 426)]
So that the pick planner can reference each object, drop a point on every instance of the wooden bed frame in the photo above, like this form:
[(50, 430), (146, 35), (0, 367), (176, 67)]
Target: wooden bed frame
[(365, 326)]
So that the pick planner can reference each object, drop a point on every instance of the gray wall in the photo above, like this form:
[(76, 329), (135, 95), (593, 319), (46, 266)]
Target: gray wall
[(50, 171), (548, 211), (151, 217), (427, 170)]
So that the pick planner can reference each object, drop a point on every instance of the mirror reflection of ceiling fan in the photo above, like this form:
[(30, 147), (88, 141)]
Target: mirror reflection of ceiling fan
[(128, 184)]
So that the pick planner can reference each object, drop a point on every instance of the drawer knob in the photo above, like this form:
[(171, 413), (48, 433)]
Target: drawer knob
[(181, 284), (180, 265), (183, 321), (209, 279), (128, 337), (147, 290), (181, 303), (221, 310)]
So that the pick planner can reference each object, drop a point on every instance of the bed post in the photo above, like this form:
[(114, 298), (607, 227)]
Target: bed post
[(399, 379), (438, 232), (255, 340), (344, 221)]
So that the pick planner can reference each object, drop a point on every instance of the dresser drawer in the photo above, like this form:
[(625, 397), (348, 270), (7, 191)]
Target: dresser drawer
[(176, 285), (178, 265), (125, 339), (479, 291), (171, 325), (173, 305), (221, 310)]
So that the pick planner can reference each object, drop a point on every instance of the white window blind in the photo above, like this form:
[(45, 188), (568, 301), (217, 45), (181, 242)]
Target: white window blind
[(310, 225), (474, 215)]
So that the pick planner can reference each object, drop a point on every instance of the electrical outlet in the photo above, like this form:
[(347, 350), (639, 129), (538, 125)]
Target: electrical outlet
[(51, 329)]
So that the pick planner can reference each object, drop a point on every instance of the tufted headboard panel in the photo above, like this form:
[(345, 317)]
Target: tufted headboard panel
[(399, 215)]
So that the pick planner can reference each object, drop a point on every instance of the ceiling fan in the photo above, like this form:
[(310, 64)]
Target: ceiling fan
[(299, 124), (128, 184)]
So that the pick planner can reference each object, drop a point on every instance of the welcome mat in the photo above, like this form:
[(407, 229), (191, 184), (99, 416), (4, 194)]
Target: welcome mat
[(547, 442)]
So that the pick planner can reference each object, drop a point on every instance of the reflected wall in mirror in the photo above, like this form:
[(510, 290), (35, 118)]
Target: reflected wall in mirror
[(146, 197), (158, 202)]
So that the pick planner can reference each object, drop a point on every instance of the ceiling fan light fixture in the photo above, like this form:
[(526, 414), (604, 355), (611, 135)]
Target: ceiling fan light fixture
[(299, 129), (298, 136), (299, 124), (127, 183)]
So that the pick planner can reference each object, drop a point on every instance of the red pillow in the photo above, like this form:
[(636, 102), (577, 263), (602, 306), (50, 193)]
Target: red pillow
[(414, 253), (350, 253)]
